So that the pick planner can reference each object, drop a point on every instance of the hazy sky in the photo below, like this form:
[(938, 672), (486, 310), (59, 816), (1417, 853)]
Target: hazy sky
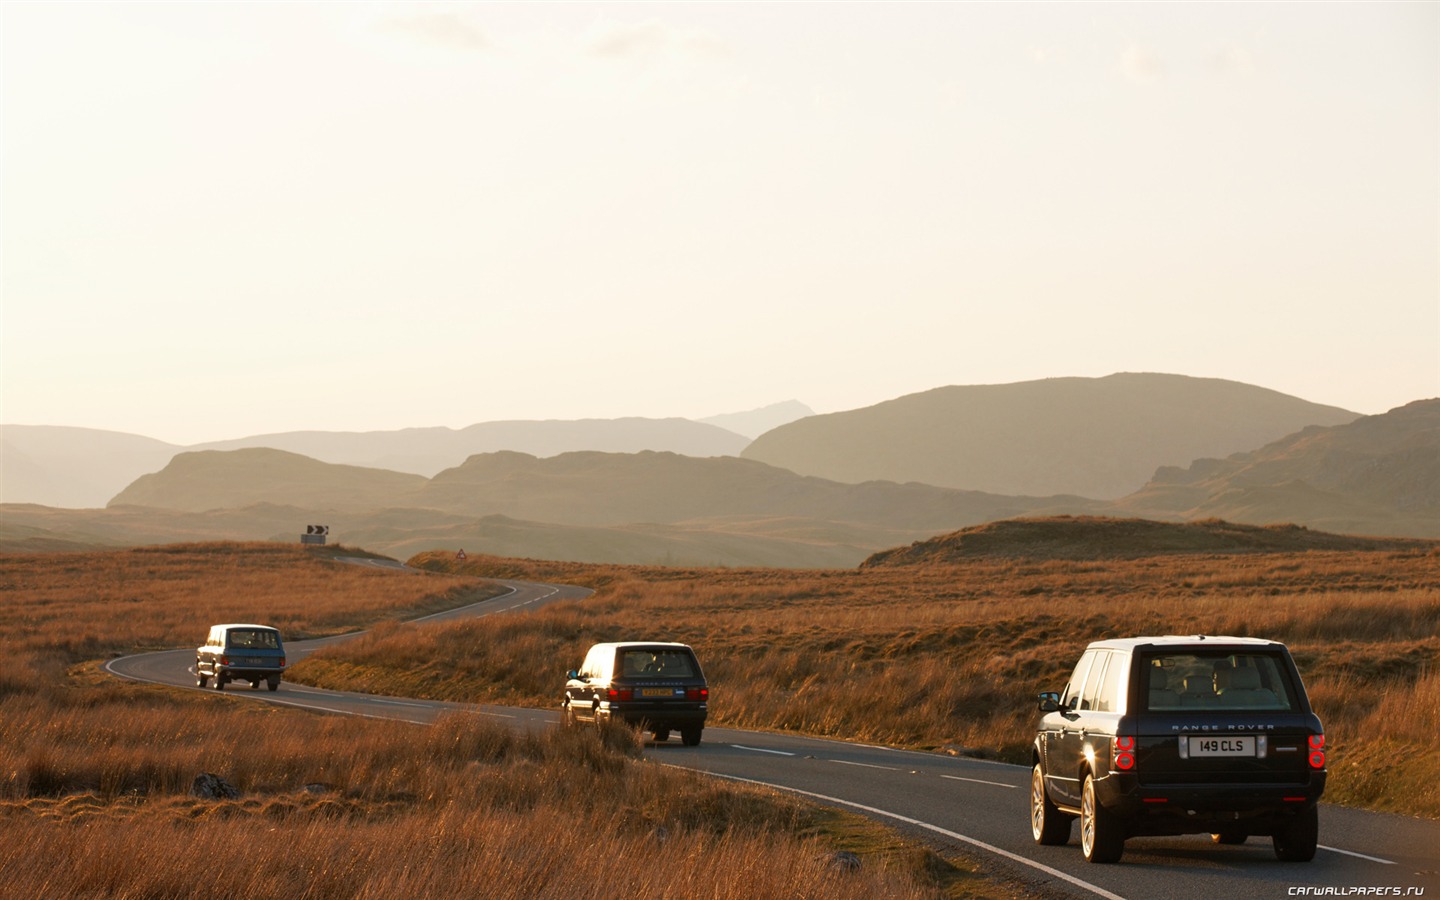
[(222, 219)]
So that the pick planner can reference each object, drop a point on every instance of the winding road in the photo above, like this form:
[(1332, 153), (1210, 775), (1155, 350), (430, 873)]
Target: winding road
[(977, 807)]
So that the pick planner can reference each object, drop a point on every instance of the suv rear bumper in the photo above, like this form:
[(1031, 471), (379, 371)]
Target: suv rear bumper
[(655, 718), (248, 673), (1196, 809)]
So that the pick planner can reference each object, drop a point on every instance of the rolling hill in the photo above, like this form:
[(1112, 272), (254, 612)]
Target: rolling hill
[(1376, 475), (1093, 437), (1091, 537), (214, 479)]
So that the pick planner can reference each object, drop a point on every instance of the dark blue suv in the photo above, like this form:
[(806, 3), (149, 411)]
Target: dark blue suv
[(1179, 735)]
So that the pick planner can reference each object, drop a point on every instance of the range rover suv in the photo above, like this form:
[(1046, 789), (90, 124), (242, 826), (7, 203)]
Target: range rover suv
[(657, 687), (1179, 735), (235, 652)]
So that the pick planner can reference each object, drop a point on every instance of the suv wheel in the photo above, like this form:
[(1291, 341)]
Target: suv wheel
[(273, 682), (1048, 824), (1100, 837), (1296, 841), (219, 682), (690, 737), (567, 715), (662, 735)]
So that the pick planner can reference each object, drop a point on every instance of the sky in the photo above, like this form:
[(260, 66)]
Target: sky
[(226, 219)]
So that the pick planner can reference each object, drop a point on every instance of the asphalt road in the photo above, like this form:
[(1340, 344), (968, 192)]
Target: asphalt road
[(976, 806)]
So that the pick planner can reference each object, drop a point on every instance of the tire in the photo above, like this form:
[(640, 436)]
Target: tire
[(567, 716), (1296, 842), (219, 682), (1101, 839), (690, 737), (273, 682), (1230, 836), (1048, 825), (662, 735)]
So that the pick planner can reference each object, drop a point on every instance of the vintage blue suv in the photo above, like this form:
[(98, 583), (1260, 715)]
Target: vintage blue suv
[(236, 652)]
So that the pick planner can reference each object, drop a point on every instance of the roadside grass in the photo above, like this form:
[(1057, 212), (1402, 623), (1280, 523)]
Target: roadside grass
[(95, 773), (340, 807), (950, 657)]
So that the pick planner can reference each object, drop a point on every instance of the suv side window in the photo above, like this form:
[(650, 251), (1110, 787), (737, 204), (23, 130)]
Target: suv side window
[(591, 666), (1071, 698), (1092, 681), (1112, 686)]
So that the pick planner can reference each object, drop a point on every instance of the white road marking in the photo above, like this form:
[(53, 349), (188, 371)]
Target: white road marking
[(846, 762), (761, 750), (979, 781), (1360, 855), (1013, 857)]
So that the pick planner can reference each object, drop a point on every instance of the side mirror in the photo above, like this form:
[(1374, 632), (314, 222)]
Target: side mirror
[(1049, 702)]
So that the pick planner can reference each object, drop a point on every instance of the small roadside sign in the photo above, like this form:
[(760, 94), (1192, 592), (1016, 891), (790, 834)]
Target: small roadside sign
[(314, 534), (460, 555)]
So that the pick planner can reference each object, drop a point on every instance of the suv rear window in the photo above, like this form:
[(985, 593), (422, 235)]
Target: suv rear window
[(1216, 681), (642, 663), (254, 640)]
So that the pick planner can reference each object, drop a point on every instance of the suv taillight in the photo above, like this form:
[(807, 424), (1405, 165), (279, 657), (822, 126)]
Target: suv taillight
[(282, 662), (1122, 752), (613, 694), (699, 693), (1317, 751), (224, 660)]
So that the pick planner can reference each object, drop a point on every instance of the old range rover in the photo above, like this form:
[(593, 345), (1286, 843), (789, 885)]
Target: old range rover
[(236, 652), (1179, 735), (654, 686)]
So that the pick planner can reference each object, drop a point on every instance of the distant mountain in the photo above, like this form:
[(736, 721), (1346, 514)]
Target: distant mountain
[(586, 488), (756, 422), (214, 479), (425, 451), (86, 467), (75, 467), (1090, 537), (1376, 475), (614, 489), (646, 507), (1093, 437)]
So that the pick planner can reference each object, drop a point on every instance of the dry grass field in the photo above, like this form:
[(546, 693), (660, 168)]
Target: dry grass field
[(951, 656), (95, 773)]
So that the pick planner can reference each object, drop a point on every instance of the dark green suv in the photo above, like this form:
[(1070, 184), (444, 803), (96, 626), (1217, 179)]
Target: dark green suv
[(1179, 735), (657, 687)]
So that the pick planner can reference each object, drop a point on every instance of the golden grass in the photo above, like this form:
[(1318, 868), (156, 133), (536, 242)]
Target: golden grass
[(95, 773), (83, 605), (952, 656)]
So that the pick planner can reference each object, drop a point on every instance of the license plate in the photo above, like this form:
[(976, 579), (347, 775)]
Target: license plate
[(1232, 745), (657, 692)]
